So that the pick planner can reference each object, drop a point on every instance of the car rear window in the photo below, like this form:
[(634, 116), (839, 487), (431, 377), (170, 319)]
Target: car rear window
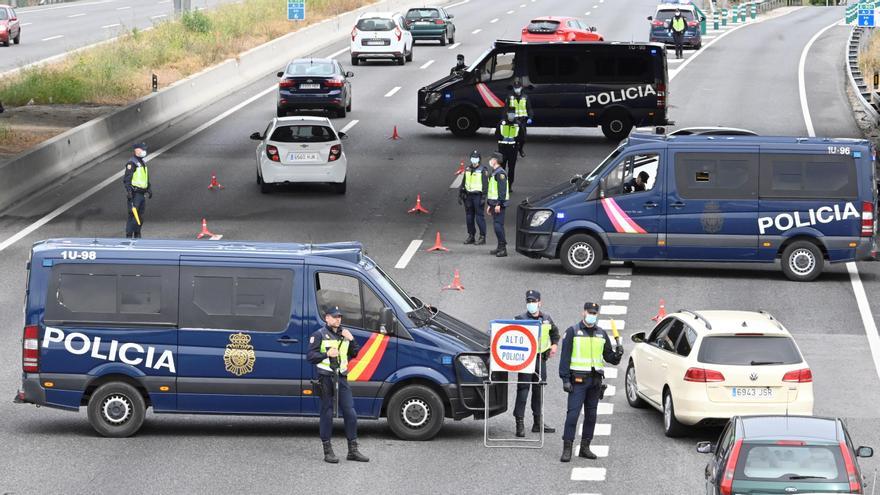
[(801, 463), (3, 15), (311, 69), (423, 14), (665, 15), (375, 24), (303, 134), (743, 350), (543, 27)]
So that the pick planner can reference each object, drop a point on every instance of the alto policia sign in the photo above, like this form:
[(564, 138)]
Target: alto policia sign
[(514, 345)]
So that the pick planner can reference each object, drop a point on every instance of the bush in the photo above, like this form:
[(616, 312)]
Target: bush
[(196, 22)]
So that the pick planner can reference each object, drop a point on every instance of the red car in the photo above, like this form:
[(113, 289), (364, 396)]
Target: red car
[(10, 28), (554, 28)]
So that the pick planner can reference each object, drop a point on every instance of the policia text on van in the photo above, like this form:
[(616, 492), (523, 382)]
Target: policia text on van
[(803, 201), (184, 327), (586, 84)]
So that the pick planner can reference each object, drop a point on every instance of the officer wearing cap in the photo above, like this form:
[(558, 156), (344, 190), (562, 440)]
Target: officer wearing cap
[(472, 192), (525, 381), (496, 198), (509, 141), (330, 349), (459, 66), (585, 350), (136, 179)]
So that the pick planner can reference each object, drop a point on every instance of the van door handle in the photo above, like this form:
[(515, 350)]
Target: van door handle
[(287, 340), (677, 204), (651, 204)]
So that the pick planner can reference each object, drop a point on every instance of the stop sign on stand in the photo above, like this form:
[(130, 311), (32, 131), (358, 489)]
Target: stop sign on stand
[(514, 345)]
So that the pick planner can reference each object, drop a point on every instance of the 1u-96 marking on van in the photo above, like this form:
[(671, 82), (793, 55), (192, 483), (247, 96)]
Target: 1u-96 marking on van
[(823, 214)]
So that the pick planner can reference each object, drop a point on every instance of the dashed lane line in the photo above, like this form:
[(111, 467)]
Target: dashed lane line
[(588, 13), (599, 450), (606, 324), (454, 46), (620, 272), (23, 24), (610, 373), (160, 16), (493, 21), (613, 310), (605, 409), (588, 474), (618, 284), (476, 31), (611, 391), (510, 12), (407, 255), (108, 26), (615, 296), (427, 64), (393, 91), (74, 16), (50, 38), (123, 8), (349, 125)]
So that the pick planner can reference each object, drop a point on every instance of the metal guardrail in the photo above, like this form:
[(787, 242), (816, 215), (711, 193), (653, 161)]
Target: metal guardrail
[(854, 73)]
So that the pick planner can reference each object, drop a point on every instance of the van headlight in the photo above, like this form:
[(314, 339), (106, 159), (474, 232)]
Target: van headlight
[(474, 365), (432, 98), (540, 218)]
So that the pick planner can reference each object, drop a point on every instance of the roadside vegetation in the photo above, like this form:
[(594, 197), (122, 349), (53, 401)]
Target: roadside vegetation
[(869, 60)]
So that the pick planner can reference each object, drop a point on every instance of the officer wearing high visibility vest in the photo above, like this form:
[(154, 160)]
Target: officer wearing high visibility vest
[(585, 350), (330, 349), (496, 198), (137, 184), (519, 104), (508, 143), (472, 193), (525, 381), (677, 27)]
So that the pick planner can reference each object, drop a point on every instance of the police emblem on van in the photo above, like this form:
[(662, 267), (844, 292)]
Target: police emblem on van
[(712, 220), (239, 356)]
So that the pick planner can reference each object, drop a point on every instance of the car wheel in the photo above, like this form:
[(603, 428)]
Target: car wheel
[(341, 112), (463, 122), (401, 60), (340, 187), (355, 60), (116, 410), (581, 254), (443, 40), (452, 38), (348, 107), (415, 412), (616, 125), (410, 56), (281, 112), (265, 188), (632, 395), (17, 39), (802, 261), (671, 426)]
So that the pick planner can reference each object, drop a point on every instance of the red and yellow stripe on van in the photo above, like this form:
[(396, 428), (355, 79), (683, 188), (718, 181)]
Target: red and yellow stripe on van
[(362, 367), (623, 224), (489, 97)]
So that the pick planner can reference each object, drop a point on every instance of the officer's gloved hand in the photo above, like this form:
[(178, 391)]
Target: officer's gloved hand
[(529, 121), (619, 352), (128, 195), (150, 193), (566, 386)]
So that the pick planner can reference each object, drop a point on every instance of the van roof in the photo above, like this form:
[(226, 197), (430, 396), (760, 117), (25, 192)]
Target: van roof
[(644, 138), (503, 43)]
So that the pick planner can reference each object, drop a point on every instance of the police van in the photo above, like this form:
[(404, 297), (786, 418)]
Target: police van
[(615, 85), (119, 326), (802, 201)]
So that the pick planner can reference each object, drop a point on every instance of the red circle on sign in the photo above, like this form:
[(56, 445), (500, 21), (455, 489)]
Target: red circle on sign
[(510, 328)]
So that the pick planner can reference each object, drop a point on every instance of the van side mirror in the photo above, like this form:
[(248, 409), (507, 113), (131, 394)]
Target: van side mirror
[(257, 136), (279, 73), (705, 448), (386, 321), (864, 452), (602, 185), (638, 337)]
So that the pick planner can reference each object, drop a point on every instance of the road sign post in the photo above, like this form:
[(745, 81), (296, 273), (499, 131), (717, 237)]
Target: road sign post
[(724, 14), (296, 10), (735, 18)]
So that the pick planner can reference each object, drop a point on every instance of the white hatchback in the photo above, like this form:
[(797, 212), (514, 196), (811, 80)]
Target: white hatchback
[(381, 35), (701, 368), (300, 149)]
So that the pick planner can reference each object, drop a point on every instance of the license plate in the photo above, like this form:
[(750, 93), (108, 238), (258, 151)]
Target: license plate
[(375, 42), (302, 157), (309, 86), (751, 392), (424, 23)]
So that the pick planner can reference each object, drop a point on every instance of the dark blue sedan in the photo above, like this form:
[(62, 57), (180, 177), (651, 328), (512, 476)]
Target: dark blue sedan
[(314, 84), (661, 25)]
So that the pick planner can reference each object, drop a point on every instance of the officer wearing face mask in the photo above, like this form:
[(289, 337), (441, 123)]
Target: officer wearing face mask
[(136, 179), (525, 381), (508, 133), (585, 350), (496, 199), (519, 104), (472, 192), (677, 27)]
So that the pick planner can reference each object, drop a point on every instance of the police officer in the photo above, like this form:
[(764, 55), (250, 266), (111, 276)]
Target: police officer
[(459, 66), (472, 193), (519, 104), (137, 184), (496, 198), (677, 27), (330, 349), (508, 143), (585, 349), (526, 381)]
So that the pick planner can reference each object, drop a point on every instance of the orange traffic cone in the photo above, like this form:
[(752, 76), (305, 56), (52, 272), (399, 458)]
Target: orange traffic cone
[(460, 168), (456, 283), (214, 184), (438, 246), (661, 313), (394, 135), (207, 233), (418, 208)]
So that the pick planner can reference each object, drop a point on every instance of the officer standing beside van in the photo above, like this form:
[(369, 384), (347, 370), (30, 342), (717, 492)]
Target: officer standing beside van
[(472, 192), (330, 349), (527, 381), (508, 134), (496, 198), (519, 104), (137, 185)]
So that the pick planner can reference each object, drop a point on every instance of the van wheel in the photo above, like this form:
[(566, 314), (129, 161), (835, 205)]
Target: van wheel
[(802, 261), (581, 254), (116, 410), (616, 125), (632, 389), (415, 412), (671, 426), (464, 122)]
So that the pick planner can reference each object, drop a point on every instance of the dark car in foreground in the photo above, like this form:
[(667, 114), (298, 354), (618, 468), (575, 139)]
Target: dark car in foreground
[(314, 84), (430, 23)]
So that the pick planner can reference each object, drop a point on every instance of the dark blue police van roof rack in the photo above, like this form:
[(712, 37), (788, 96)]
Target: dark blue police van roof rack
[(635, 138)]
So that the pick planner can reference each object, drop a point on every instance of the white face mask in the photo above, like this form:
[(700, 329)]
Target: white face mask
[(591, 319), (140, 153), (532, 308), (475, 161)]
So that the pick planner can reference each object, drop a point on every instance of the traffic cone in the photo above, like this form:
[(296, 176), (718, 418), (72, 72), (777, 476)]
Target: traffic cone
[(438, 246), (214, 184), (456, 283), (418, 208), (460, 168), (661, 313), (207, 233), (394, 135)]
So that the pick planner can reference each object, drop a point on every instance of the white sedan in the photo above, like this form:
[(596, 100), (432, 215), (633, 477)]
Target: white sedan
[(300, 150)]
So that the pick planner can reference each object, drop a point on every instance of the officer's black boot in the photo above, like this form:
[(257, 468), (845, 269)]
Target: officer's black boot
[(502, 251), (536, 428), (495, 251), (566, 452), (481, 240), (585, 450), (354, 454), (329, 456), (520, 427), (469, 240)]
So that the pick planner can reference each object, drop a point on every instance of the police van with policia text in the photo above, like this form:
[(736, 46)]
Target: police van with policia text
[(802, 201), (118, 326), (615, 85)]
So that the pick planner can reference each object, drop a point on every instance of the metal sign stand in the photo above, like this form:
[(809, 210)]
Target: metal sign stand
[(514, 443)]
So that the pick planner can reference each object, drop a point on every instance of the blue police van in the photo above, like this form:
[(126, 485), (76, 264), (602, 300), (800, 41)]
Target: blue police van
[(119, 326), (716, 198)]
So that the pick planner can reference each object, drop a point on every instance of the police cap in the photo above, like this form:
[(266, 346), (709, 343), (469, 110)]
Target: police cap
[(498, 156), (142, 146), (475, 154), (591, 307), (332, 311), (533, 295)]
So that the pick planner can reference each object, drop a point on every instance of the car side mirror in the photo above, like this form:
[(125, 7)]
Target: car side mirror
[(257, 136), (592, 29), (705, 448), (638, 337), (702, 18), (349, 74), (343, 135), (864, 452), (451, 16), (279, 74), (386, 321), (650, 18)]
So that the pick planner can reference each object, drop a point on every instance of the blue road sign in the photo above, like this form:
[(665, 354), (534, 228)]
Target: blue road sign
[(296, 10), (866, 17)]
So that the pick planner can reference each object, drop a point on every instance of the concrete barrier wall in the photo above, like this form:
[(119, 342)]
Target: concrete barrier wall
[(54, 159)]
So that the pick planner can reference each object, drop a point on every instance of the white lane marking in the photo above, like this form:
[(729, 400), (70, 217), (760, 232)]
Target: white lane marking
[(606, 324), (50, 38), (522, 6), (588, 474), (618, 284), (393, 91), (595, 6), (23, 24), (605, 409), (708, 38), (339, 52), (615, 296), (426, 64), (610, 373), (675, 60), (108, 26), (454, 46), (610, 391), (72, 16), (118, 175), (620, 272), (802, 89), (475, 31), (123, 8), (408, 254), (613, 310), (349, 125), (865, 312), (599, 450), (164, 1), (584, 494), (601, 430), (493, 21), (159, 16), (509, 12), (615, 263), (456, 183), (47, 9), (588, 13), (601, 1), (457, 4)]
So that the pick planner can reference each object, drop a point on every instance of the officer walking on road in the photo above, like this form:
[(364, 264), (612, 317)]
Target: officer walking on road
[(519, 104), (497, 197), (137, 184), (677, 27), (472, 192), (459, 66), (508, 133), (585, 349), (330, 349), (526, 381)]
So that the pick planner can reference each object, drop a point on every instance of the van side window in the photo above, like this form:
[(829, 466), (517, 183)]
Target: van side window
[(360, 306), (498, 67), (636, 173), (556, 67), (636, 67), (251, 299), (716, 175), (808, 176), (113, 295)]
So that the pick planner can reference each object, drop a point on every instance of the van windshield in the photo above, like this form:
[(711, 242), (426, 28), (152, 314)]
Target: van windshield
[(479, 60), (602, 166), (390, 288)]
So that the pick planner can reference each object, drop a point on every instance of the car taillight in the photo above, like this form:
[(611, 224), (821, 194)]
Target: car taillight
[(333, 83), (727, 478), (791, 443), (854, 485), (398, 33), (799, 376), (867, 219), (657, 23), (30, 349), (272, 153), (692, 24), (702, 375), (287, 83), (438, 21), (335, 152), (661, 95), (354, 32)]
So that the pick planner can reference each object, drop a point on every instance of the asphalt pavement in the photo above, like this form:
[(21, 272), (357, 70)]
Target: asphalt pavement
[(747, 78)]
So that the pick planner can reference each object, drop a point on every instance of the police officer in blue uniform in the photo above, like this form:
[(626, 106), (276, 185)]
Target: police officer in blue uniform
[(472, 192), (136, 179), (496, 198), (330, 349), (585, 350), (509, 136), (526, 381)]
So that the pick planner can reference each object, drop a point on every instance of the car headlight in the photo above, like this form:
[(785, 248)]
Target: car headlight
[(2, 28), (432, 98), (540, 218), (474, 365)]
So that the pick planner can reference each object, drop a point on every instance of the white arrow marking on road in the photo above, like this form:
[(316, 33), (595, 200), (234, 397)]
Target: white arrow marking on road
[(408, 254), (76, 15), (618, 284), (349, 125), (475, 31), (50, 38), (108, 26), (391, 93), (588, 474), (454, 46), (426, 64), (493, 21)]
